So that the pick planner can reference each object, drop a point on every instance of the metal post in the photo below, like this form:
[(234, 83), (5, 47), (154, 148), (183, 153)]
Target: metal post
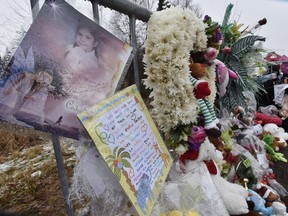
[(133, 41), (127, 7), (62, 174), (95, 9), (34, 8), (56, 142)]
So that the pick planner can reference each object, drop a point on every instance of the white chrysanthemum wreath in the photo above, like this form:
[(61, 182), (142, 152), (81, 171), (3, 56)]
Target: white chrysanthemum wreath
[(171, 35)]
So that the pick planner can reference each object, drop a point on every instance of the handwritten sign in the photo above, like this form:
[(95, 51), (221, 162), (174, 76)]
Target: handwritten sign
[(128, 140)]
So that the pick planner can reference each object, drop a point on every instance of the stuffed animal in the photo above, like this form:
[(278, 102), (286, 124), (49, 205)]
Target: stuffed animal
[(273, 141), (223, 76), (257, 129), (265, 119), (276, 131), (233, 195), (275, 156), (223, 73), (259, 203), (201, 91), (268, 194), (279, 209)]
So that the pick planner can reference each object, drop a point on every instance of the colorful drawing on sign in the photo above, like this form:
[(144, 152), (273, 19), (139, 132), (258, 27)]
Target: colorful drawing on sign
[(65, 64), (128, 140)]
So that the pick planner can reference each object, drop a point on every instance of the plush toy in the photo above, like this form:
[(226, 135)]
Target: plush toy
[(279, 209), (201, 91), (233, 195), (265, 119), (197, 136), (276, 131), (275, 156), (218, 143), (259, 203), (223, 76), (273, 141), (223, 73), (257, 129), (268, 194)]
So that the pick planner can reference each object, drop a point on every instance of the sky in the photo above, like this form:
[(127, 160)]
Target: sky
[(247, 12)]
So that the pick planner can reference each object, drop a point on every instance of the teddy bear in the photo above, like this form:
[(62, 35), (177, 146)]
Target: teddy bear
[(201, 91), (273, 141), (275, 156), (268, 194), (276, 131)]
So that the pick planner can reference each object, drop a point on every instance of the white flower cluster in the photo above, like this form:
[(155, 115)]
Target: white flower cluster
[(171, 35)]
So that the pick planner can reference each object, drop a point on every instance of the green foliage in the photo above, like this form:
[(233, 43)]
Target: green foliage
[(179, 135), (239, 49)]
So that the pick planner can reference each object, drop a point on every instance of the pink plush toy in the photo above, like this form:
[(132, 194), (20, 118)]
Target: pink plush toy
[(223, 76), (223, 73)]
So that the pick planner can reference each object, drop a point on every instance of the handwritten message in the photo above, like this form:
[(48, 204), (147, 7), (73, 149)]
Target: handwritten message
[(131, 145)]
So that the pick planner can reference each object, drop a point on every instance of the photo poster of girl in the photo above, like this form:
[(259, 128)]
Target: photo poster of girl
[(64, 65)]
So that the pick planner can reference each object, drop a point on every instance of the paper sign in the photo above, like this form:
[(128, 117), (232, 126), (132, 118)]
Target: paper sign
[(279, 91), (128, 140)]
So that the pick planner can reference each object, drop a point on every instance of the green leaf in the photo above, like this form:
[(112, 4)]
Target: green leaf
[(125, 155), (115, 150), (126, 163), (176, 136), (243, 45), (227, 15), (117, 173), (240, 70), (110, 161), (119, 152), (110, 157)]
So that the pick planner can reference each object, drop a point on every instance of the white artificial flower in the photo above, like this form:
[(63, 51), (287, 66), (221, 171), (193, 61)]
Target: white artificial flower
[(171, 35)]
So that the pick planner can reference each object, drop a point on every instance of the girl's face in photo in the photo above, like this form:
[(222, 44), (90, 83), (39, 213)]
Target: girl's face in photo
[(85, 40)]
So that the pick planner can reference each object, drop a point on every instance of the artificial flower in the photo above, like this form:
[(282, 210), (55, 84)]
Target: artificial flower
[(172, 34)]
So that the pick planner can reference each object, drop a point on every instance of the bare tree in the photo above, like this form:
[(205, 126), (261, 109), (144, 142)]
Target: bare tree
[(119, 24), (188, 4)]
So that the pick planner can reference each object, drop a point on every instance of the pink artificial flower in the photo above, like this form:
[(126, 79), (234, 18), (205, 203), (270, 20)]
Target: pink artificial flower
[(226, 50), (211, 54)]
